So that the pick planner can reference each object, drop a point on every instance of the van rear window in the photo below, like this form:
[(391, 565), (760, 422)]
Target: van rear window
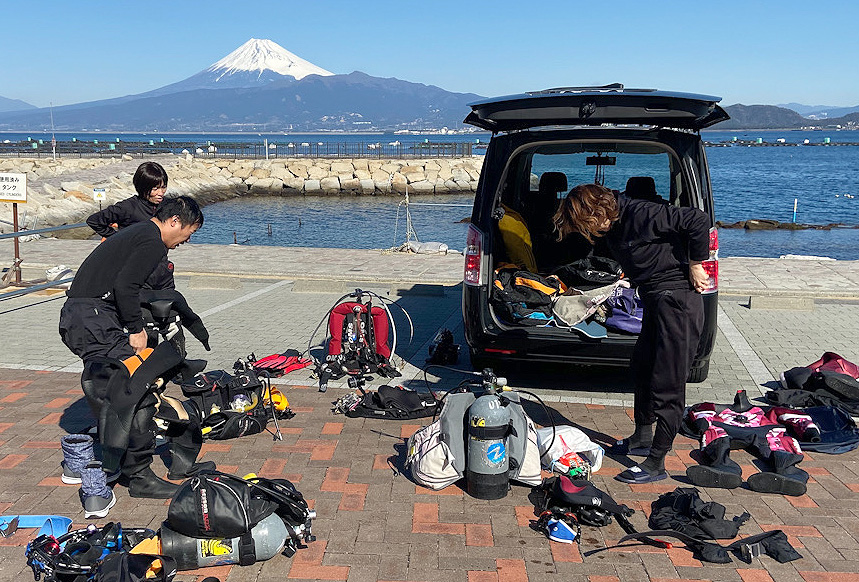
[(611, 169)]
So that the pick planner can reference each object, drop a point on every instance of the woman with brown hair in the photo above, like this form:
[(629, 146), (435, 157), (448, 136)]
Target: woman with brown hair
[(660, 248)]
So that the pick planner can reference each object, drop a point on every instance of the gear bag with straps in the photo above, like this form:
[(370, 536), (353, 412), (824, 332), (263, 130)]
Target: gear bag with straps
[(220, 505)]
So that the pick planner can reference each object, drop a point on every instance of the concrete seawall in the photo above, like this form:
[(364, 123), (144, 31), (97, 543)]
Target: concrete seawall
[(61, 191)]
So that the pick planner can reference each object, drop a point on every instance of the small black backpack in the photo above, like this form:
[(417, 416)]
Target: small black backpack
[(394, 402)]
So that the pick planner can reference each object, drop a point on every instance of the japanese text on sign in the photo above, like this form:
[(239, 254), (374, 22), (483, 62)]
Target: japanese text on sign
[(13, 187)]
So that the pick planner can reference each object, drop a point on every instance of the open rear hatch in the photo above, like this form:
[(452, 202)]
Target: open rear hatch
[(609, 104)]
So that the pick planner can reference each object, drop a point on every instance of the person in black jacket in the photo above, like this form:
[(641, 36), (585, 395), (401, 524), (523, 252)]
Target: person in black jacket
[(150, 182), (102, 323), (660, 248)]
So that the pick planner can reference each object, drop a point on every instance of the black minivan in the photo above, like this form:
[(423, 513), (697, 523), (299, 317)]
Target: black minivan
[(642, 142)]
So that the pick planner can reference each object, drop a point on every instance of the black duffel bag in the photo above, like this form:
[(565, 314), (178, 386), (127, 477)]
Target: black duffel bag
[(218, 505), (589, 273)]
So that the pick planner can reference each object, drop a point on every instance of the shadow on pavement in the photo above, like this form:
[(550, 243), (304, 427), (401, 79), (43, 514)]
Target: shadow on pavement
[(77, 417)]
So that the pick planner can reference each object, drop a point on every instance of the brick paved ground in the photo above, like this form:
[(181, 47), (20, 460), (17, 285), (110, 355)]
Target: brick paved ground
[(374, 524)]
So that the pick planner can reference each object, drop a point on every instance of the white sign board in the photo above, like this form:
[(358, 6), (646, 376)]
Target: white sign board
[(13, 187), (98, 194)]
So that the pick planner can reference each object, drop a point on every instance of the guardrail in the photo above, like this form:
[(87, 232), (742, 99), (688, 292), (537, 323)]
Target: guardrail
[(33, 288), (15, 269), (21, 233), (245, 149)]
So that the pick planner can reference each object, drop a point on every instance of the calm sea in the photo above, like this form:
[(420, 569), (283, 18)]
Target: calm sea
[(748, 182)]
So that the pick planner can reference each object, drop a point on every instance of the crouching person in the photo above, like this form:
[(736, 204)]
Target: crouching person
[(102, 323)]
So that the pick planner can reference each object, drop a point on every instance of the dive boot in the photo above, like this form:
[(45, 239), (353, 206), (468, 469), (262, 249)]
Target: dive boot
[(788, 481), (705, 476), (183, 462), (717, 469), (145, 484), (638, 444)]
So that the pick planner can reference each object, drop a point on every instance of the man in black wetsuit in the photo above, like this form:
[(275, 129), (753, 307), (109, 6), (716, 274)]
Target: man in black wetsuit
[(102, 319), (660, 248)]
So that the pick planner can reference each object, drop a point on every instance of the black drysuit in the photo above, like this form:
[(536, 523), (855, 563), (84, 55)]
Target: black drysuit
[(654, 243), (123, 214)]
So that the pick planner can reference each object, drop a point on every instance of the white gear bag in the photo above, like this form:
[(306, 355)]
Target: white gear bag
[(436, 453), (568, 439)]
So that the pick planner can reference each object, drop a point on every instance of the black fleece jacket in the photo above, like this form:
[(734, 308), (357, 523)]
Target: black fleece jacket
[(117, 268), (655, 242), (124, 213)]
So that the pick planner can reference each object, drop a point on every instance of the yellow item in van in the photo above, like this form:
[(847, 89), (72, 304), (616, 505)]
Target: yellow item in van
[(517, 240)]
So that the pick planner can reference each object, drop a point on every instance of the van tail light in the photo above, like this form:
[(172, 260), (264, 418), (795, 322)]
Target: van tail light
[(473, 255), (711, 265)]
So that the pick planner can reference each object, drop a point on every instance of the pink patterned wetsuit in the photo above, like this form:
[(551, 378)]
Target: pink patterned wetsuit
[(771, 434)]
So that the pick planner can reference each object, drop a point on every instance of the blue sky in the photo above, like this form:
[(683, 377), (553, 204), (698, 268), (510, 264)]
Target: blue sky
[(748, 52)]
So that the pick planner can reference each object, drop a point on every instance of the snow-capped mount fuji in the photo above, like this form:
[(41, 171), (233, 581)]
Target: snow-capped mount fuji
[(256, 63), (264, 55)]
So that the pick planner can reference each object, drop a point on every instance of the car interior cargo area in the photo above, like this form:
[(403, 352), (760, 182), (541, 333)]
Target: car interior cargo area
[(531, 266)]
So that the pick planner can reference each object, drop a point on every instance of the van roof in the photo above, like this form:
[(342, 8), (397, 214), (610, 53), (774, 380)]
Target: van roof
[(607, 104)]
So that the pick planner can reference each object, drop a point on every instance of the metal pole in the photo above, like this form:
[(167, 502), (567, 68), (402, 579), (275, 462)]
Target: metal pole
[(53, 139), (17, 248)]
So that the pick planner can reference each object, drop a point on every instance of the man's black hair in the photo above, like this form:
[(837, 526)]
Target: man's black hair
[(149, 175), (184, 208)]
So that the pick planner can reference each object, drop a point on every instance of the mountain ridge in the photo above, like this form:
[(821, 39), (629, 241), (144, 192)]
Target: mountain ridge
[(8, 104), (261, 86)]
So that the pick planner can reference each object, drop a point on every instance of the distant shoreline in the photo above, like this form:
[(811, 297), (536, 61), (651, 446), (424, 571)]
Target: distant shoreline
[(251, 133), (771, 129), (48, 132)]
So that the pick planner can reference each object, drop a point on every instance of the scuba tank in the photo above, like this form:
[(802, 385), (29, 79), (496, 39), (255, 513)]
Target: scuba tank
[(488, 425), (269, 538)]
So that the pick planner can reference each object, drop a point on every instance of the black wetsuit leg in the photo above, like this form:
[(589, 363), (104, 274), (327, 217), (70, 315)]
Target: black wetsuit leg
[(141, 438), (677, 317)]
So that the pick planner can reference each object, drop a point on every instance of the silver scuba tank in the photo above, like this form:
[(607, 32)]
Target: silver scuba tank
[(488, 425), (269, 538)]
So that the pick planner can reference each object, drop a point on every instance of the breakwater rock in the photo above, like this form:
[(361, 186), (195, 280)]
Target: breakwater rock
[(768, 224), (61, 191)]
